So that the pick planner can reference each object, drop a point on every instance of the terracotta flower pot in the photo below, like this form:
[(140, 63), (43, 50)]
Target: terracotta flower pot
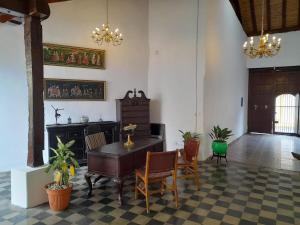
[(59, 199)]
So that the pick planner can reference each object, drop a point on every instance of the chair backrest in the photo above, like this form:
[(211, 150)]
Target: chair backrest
[(92, 129), (94, 141), (191, 149), (159, 162)]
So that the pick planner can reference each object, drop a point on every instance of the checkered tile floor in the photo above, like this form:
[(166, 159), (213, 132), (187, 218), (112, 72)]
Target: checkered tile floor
[(232, 194)]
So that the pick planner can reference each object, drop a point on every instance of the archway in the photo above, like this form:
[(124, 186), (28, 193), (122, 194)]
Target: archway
[(286, 114)]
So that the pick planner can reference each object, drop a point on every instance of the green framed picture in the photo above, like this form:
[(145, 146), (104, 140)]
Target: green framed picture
[(63, 55), (62, 89)]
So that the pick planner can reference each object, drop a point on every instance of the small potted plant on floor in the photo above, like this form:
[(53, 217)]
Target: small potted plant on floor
[(63, 165), (219, 144)]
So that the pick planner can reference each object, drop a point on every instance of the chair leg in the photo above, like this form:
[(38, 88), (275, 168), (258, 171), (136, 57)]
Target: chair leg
[(174, 189), (176, 196), (196, 174), (218, 159), (97, 179), (147, 198), (135, 189), (212, 157), (226, 159), (162, 184)]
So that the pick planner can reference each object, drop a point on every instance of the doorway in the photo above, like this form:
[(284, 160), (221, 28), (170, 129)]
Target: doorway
[(273, 100), (286, 114)]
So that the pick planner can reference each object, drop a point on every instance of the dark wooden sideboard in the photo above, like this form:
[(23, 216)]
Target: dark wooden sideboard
[(75, 131)]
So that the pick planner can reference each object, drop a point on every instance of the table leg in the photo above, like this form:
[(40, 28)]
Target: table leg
[(87, 177), (97, 179), (119, 182)]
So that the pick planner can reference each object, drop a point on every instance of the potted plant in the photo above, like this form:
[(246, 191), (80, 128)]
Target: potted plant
[(220, 137), (63, 166), (187, 136)]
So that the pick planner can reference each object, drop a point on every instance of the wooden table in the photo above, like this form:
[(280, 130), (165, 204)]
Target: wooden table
[(116, 161)]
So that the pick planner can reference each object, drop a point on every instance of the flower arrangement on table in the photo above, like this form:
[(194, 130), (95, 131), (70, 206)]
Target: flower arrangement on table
[(130, 131)]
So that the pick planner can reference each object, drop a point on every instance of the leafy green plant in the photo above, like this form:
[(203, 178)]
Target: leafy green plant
[(220, 135), (62, 164), (189, 135)]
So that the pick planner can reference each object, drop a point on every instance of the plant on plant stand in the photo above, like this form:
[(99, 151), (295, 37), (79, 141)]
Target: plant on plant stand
[(189, 139), (63, 165), (219, 144)]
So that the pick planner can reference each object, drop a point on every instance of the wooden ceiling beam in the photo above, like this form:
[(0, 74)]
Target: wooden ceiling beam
[(21, 8), (273, 31), (4, 18), (284, 13), (54, 1), (299, 13), (268, 5), (253, 16), (236, 6)]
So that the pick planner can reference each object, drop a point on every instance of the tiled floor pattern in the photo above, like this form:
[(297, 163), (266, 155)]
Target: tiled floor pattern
[(232, 194), (273, 151)]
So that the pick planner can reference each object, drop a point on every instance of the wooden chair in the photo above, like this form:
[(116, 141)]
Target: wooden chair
[(94, 141), (188, 162), (159, 166)]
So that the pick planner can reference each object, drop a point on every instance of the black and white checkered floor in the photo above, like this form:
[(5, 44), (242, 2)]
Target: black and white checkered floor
[(232, 194)]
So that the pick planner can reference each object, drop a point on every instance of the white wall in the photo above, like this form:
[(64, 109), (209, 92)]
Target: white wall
[(172, 66), (182, 56), (13, 98), (289, 55), (71, 23), (226, 74)]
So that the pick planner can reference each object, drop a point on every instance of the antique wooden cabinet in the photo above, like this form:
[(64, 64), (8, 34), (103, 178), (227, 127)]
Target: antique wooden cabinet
[(75, 131), (133, 109)]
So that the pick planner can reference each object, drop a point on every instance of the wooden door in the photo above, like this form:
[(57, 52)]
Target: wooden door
[(261, 104), (265, 84)]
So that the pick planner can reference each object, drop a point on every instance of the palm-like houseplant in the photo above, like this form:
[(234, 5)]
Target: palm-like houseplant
[(187, 136), (63, 165), (220, 137)]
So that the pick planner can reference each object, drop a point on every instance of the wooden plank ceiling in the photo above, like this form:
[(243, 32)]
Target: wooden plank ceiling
[(16, 20), (280, 15)]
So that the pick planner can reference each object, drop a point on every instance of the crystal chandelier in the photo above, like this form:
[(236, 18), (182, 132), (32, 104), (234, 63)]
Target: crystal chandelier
[(105, 34), (266, 47)]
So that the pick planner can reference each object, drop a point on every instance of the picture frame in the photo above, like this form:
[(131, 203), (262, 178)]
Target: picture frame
[(69, 89), (71, 56)]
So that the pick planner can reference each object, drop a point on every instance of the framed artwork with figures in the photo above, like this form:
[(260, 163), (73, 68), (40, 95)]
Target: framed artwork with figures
[(63, 55), (86, 90)]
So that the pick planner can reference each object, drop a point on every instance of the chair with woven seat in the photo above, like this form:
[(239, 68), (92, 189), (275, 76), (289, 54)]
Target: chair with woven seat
[(94, 141), (159, 166), (188, 162)]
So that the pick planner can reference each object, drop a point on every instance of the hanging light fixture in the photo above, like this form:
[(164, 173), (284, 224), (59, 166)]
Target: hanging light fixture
[(266, 47), (105, 34)]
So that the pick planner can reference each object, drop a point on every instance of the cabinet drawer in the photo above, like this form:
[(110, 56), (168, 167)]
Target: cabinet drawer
[(135, 120), (75, 134), (135, 108)]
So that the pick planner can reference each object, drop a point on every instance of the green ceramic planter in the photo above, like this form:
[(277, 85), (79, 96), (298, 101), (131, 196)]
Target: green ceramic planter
[(219, 148)]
